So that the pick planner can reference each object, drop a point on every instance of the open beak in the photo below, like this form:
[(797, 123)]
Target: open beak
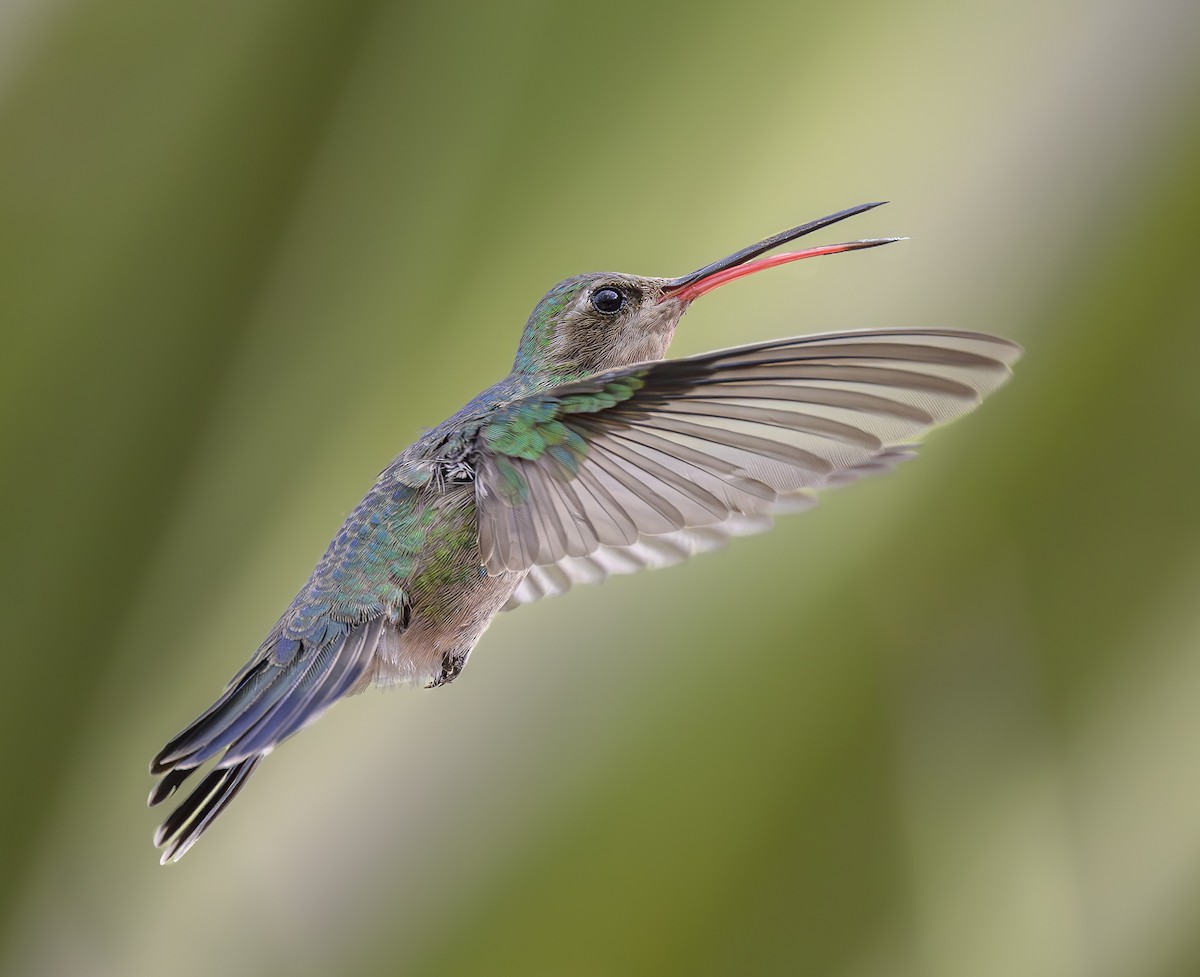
[(740, 264)]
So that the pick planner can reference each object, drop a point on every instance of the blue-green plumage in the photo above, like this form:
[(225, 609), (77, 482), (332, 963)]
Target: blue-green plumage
[(593, 456)]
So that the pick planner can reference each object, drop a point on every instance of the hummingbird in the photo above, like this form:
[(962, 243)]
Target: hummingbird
[(594, 456)]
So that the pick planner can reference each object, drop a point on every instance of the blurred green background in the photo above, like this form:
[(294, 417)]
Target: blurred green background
[(947, 724)]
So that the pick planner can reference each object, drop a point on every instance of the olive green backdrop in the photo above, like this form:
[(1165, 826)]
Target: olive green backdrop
[(945, 725)]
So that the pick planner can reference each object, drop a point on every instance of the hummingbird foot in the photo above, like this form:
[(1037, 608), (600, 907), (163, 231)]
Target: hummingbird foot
[(452, 666)]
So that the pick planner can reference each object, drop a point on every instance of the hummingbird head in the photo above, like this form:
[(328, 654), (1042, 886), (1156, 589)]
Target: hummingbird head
[(604, 320)]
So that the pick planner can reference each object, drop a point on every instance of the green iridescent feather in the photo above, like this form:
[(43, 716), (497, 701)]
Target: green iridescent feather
[(537, 427)]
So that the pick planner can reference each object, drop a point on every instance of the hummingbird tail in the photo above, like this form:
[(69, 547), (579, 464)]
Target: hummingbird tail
[(287, 685), (184, 826)]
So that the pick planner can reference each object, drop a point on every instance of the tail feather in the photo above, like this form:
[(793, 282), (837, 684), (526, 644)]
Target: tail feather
[(168, 785), (268, 702), (327, 680), (184, 826), (243, 703)]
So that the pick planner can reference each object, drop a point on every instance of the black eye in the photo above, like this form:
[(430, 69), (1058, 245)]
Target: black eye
[(607, 300)]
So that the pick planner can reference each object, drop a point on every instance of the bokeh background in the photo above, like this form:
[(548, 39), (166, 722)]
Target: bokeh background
[(946, 724)]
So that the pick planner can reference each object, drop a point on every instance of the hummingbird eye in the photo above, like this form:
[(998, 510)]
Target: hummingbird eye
[(607, 300)]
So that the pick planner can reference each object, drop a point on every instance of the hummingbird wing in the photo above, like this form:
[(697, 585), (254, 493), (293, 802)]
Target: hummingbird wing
[(653, 552), (645, 465)]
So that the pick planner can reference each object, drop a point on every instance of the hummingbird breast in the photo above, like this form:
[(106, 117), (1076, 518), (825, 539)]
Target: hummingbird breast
[(449, 599)]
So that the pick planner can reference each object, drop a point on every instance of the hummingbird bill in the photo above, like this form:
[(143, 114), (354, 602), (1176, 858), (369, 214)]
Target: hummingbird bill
[(594, 456)]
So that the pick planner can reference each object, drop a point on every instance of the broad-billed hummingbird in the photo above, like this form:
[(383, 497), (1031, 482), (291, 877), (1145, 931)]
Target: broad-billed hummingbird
[(593, 456)]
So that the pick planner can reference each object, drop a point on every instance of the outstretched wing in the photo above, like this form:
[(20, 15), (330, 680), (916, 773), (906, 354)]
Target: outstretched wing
[(646, 465), (286, 686)]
